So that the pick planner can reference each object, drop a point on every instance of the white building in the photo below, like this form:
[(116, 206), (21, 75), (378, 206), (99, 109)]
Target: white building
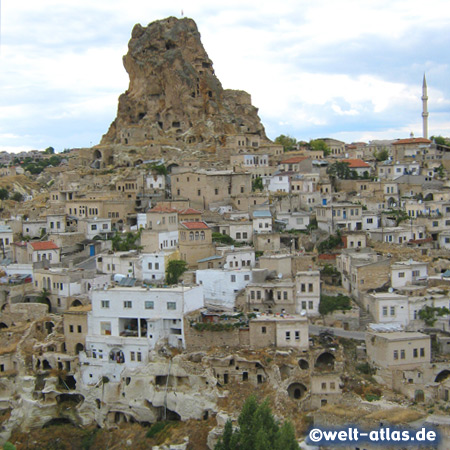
[(6, 238), (294, 220), (154, 265), (222, 286), (408, 272), (125, 324), (387, 307), (262, 221), (95, 227), (308, 292)]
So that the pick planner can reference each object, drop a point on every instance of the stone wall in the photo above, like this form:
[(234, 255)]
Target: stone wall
[(202, 340)]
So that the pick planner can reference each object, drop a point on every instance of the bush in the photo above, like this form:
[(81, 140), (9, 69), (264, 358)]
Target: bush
[(329, 303), (155, 429), (9, 446)]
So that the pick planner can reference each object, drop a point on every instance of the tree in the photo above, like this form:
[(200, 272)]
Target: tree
[(439, 140), (258, 430), (222, 238), (289, 143), (49, 151), (17, 197), (318, 144), (339, 169), (429, 314), (257, 184), (382, 155), (4, 194), (174, 270), (126, 242)]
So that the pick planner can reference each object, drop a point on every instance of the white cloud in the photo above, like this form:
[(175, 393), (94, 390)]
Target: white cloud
[(306, 63)]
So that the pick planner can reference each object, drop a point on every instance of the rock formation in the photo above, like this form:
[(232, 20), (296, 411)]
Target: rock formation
[(174, 98)]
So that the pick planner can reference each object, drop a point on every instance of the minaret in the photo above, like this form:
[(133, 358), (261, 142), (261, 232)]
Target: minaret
[(425, 108)]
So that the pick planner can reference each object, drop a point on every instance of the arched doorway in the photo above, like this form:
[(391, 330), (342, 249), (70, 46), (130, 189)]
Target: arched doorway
[(79, 348), (303, 364), (325, 361), (296, 390), (76, 303), (442, 375), (116, 355)]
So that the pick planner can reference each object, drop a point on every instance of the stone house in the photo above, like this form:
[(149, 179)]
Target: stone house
[(325, 389), (205, 187), (75, 328), (36, 251), (240, 231), (404, 273), (96, 227), (398, 350), (123, 263), (294, 220), (339, 215), (281, 331), (277, 296), (296, 164), (362, 270), (6, 239), (195, 242), (262, 221)]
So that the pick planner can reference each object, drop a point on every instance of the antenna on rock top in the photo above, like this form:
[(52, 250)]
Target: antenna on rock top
[(182, 13)]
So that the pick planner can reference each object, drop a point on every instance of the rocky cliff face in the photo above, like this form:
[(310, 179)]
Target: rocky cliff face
[(174, 98)]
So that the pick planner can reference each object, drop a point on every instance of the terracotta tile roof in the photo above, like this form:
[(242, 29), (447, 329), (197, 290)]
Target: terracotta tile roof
[(412, 141), (294, 159), (182, 212), (355, 163), (195, 225), (162, 209), (46, 245)]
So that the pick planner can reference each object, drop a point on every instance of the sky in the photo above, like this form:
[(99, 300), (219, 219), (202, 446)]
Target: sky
[(349, 69)]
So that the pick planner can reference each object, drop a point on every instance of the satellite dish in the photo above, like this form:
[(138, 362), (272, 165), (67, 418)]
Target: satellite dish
[(280, 276), (158, 222), (303, 313), (391, 290)]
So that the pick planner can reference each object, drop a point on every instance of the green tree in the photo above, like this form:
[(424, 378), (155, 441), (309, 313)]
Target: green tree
[(382, 155), (429, 314), (4, 194), (329, 303), (339, 169), (174, 270), (9, 446), (17, 197), (222, 238), (318, 144), (289, 143), (257, 184), (257, 430), (126, 242), (439, 140), (49, 151)]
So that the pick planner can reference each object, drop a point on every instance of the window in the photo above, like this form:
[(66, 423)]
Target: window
[(310, 287), (149, 304), (385, 311), (171, 305), (79, 328), (233, 278), (132, 356), (288, 335), (150, 266), (127, 304), (297, 335), (156, 266), (285, 295), (310, 305), (401, 274), (395, 354), (263, 330), (324, 386), (422, 352), (252, 295), (246, 277), (303, 304), (402, 354), (139, 356), (415, 352), (303, 287), (392, 310), (435, 223), (71, 328), (332, 385), (105, 303), (258, 295)]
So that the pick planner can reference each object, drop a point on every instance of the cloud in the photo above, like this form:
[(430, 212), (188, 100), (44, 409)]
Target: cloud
[(313, 68)]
